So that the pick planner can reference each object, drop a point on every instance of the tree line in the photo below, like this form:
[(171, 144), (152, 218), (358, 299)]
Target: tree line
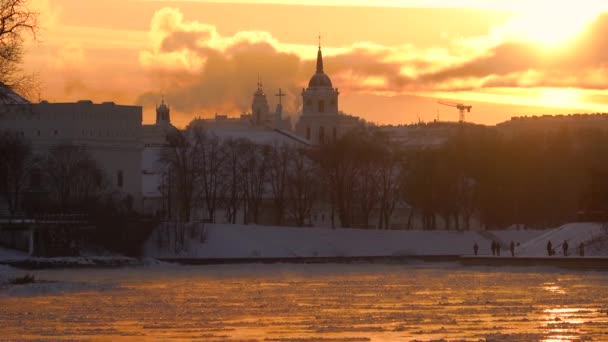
[(206, 176), (480, 177), (65, 179)]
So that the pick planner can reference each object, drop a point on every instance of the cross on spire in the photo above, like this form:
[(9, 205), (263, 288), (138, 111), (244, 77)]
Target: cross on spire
[(319, 58), (280, 95), (259, 83)]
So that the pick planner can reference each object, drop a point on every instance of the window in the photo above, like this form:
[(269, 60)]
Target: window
[(119, 178), (321, 134), (321, 106), (308, 133)]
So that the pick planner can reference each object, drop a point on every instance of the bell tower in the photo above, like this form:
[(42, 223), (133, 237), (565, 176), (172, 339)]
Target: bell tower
[(320, 97), (259, 107), (163, 114)]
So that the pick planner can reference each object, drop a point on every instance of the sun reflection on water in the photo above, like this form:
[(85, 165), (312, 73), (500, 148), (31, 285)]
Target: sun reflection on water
[(320, 302), (553, 288)]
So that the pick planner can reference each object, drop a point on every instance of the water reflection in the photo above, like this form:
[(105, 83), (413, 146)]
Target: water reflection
[(554, 288), (312, 302)]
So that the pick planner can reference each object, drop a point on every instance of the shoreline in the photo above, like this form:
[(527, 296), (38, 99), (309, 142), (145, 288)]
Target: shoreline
[(572, 263)]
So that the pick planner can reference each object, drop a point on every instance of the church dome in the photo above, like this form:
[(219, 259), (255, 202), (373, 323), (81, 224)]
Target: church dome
[(319, 80), (162, 108), (163, 113)]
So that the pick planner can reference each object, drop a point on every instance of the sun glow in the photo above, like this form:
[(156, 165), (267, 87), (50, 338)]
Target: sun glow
[(551, 24), (559, 97)]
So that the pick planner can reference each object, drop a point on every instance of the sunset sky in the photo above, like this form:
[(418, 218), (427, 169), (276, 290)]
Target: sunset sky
[(391, 59)]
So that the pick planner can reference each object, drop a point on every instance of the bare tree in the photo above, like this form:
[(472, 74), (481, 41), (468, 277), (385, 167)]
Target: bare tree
[(211, 161), (254, 161), (73, 176), (16, 21), (303, 179), (181, 160), (278, 168), (368, 183), (389, 187), (232, 175), (16, 155)]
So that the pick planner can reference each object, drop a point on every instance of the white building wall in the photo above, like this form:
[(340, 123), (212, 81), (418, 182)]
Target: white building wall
[(111, 133)]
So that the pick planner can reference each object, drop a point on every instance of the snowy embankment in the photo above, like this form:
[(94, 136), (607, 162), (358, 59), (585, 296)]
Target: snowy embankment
[(7, 274), (593, 235), (252, 241), (22, 260), (11, 254)]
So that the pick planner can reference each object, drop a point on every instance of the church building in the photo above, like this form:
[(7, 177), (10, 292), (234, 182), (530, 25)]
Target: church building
[(321, 120)]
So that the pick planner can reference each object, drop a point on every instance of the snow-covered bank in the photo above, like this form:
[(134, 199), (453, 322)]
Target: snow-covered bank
[(222, 241), (7, 274), (240, 241), (594, 236), (11, 254), (22, 260)]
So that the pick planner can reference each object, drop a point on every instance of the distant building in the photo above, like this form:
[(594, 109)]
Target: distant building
[(154, 139), (260, 126), (544, 124), (112, 134), (155, 135), (260, 112), (321, 121), (241, 128), (8, 96), (421, 136)]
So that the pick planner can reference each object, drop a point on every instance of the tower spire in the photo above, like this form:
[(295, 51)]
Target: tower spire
[(319, 58)]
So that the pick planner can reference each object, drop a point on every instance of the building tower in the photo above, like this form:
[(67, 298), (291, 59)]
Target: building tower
[(320, 97), (163, 114), (259, 107), (321, 120)]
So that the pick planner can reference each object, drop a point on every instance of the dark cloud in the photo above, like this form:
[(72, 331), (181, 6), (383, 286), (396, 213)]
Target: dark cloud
[(558, 67), (227, 79), (502, 60)]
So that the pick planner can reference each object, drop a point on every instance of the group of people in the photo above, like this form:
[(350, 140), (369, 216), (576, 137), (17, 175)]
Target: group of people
[(551, 250), (495, 247)]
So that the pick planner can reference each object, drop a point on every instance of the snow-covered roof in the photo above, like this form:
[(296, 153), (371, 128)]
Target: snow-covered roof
[(8, 96), (259, 135)]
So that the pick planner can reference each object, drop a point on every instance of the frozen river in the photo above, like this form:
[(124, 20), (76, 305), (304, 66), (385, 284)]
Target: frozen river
[(362, 302)]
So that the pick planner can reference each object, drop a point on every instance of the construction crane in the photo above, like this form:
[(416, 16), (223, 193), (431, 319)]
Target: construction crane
[(461, 107)]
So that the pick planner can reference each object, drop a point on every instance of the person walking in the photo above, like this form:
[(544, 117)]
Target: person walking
[(497, 249), (565, 248), (475, 248), (549, 248), (493, 248), (512, 248), (581, 249)]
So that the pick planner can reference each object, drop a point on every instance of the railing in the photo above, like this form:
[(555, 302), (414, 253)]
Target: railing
[(47, 218)]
